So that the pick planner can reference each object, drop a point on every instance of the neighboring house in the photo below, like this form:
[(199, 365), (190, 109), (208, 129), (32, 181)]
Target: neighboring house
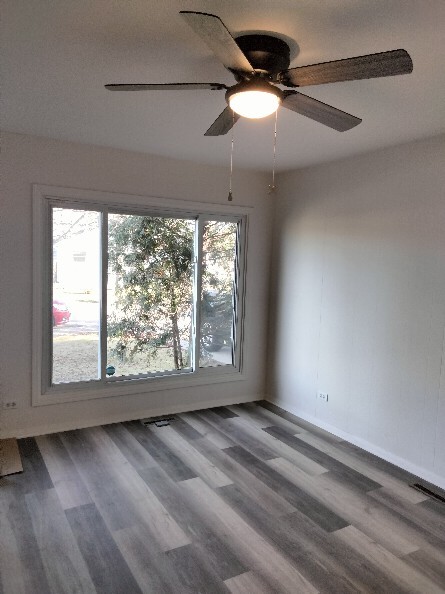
[(76, 263)]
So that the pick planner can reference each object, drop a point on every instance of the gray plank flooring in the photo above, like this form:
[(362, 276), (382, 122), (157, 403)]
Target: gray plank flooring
[(243, 499)]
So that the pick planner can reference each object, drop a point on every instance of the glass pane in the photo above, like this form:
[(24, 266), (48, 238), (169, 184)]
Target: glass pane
[(218, 284), (150, 285), (76, 295)]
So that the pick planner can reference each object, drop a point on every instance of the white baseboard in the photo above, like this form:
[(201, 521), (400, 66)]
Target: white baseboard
[(48, 428), (426, 475)]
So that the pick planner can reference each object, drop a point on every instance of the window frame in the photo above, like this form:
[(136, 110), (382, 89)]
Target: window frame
[(47, 197)]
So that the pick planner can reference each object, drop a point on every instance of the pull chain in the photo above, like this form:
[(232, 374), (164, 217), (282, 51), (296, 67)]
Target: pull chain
[(272, 187), (230, 197)]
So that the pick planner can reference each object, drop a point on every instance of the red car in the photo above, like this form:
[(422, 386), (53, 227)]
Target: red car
[(61, 313)]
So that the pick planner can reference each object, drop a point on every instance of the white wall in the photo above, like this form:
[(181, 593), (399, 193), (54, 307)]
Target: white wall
[(26, 160), (359, 301)]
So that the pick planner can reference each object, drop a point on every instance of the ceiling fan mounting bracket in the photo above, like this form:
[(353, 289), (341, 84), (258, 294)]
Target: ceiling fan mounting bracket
[(265, 53)]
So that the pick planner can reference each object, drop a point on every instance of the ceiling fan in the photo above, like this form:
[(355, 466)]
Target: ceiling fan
[(260, 62)]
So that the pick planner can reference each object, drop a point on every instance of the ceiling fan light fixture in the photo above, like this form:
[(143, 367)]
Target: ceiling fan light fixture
[(254, 100), (254, 104)]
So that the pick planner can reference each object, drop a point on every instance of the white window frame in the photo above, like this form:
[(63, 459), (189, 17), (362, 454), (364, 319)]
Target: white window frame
[(46, 197)]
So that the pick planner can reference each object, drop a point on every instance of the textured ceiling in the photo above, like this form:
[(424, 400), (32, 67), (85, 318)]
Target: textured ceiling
[(58, 54)]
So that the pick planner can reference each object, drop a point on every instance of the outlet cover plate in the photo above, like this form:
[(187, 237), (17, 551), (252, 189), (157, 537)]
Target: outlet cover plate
[(9, 404)]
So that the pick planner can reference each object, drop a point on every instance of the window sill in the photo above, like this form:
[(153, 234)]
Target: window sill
[(71, 393)]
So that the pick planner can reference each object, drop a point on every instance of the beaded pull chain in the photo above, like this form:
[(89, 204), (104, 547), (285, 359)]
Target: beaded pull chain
[(272, 187), (230, 196)]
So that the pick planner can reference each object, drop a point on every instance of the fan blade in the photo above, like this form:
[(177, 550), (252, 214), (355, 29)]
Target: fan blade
[(361, 67), (215, 34), (223, 123), (167, 87), (318, 111)]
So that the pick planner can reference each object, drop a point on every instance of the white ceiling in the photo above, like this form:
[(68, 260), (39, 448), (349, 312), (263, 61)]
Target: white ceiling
[(58, 54)]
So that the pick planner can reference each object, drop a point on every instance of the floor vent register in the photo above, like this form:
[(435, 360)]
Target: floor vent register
[(157, 421), (428, 492)]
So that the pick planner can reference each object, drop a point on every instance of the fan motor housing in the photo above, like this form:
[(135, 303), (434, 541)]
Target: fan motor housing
[(255, 84), (265, 52)]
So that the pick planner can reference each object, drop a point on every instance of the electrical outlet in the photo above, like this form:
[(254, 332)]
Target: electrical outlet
[(9, 404), (323, 396)]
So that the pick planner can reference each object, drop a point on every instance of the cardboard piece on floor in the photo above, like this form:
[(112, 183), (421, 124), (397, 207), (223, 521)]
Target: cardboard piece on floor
[(10, 461)]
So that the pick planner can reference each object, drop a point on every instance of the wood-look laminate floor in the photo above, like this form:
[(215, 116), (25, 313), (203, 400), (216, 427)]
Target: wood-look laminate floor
[(235, 499)]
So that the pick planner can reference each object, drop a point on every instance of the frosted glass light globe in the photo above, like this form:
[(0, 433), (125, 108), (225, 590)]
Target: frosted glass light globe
[(254, 104)]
